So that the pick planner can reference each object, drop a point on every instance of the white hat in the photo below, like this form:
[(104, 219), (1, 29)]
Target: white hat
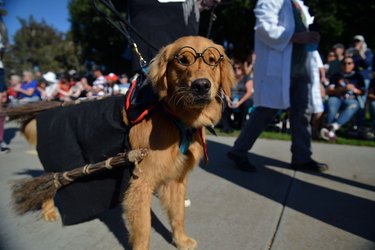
[(359, 38), (50, 77)]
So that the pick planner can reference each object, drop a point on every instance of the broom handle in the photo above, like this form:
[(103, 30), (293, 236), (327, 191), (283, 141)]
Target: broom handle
[(122, 159)]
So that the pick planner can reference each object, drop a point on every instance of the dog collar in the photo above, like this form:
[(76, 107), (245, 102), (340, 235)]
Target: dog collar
[(186, 135)]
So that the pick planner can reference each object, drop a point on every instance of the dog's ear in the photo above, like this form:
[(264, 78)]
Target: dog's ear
[(158, 71), (227, 79)]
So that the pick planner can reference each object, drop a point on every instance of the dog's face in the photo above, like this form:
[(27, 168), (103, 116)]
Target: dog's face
[(189, 75)]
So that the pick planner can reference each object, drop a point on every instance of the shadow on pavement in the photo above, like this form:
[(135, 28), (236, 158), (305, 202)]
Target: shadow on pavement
[(113, 219), (342, 210)]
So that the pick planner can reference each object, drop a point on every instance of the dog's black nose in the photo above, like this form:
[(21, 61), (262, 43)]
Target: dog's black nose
[(201, 86)]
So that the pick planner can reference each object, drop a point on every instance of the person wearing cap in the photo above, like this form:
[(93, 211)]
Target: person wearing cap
[(48, 86), (124, 84), (112, 86), (362, 57), (100, 82)]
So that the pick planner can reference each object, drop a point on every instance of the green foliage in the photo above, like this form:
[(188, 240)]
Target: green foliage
[(101, 44), (92, 40), (37, 44)]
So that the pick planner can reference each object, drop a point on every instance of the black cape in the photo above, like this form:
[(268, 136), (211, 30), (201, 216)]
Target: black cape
[(70, 137)]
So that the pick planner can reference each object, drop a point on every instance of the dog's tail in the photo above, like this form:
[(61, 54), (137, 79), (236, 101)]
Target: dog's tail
[(29, 131)]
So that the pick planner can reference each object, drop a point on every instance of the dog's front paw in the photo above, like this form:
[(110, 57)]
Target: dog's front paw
[(185, 243)]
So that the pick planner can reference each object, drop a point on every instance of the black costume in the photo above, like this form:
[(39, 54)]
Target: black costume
[(70, 137)]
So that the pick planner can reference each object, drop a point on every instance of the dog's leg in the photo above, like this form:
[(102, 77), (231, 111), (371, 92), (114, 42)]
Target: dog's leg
[(49, 212), (137, 206), (172, 196)]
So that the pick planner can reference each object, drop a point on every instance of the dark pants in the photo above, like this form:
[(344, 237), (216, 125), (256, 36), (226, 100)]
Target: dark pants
[(300, 113)]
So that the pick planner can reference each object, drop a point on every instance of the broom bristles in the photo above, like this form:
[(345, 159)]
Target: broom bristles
[(29, 194), (30, 110)]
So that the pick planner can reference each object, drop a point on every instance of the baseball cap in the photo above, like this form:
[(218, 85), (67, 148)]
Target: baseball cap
[(338, 46), (359, 38), (112, 76)]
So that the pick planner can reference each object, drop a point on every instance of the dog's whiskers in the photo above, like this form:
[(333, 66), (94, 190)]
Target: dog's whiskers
[(179, 96)]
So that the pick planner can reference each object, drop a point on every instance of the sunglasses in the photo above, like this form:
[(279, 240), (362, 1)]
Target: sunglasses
[(188, 56), (347, 63)]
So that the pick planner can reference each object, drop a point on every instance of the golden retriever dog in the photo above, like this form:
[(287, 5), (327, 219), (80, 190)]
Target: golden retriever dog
[(190, 75)]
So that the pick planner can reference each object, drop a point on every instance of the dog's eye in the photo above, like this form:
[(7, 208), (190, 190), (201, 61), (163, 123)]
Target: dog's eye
[(186, 57), (184, 60), (211, 56)]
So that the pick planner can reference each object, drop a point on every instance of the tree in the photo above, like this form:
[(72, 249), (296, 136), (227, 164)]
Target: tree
[(39, 46), (101, 44), (336, 20)]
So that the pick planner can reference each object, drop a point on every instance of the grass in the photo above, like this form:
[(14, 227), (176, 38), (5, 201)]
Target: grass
[(286, 136)]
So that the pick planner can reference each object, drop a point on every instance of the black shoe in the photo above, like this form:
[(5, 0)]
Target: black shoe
[(241, 162), (4, 149), (311, 166)]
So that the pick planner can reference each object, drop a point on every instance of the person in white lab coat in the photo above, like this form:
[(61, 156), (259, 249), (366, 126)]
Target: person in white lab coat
[(280, 80)]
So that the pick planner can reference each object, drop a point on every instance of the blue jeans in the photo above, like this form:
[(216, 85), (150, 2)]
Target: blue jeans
[(345, 107), (372, 113)]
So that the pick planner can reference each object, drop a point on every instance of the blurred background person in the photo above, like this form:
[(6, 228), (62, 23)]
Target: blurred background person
[(112, 86), (28, 90), (124, 84), (344, 90), (238, 104), (362, 57), (4, 148)]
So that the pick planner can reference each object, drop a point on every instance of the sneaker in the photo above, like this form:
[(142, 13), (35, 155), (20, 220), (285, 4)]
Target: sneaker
[(4, 149), (242, 163), (328, 134), (311, 166)]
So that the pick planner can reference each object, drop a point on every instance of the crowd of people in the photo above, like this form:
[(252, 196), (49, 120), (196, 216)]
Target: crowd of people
[(342, 92), (70, 86)]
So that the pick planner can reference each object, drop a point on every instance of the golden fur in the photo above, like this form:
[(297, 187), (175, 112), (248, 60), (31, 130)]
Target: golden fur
[(165, 169)]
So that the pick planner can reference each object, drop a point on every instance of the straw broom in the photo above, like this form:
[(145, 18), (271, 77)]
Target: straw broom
[(30, 110), (29, 194)]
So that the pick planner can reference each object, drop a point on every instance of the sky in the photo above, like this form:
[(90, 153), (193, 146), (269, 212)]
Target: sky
[(54, 12)]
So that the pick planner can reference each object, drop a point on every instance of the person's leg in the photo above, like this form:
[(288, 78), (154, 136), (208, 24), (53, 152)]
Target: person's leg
[(225, 120), (259, 118), (372, 113), (361, 113), (4, 148), (350, 107), (333, 106), (300, 114), (245, 111)]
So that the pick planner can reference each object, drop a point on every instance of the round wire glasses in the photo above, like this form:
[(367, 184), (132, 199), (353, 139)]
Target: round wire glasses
[(188, 56)]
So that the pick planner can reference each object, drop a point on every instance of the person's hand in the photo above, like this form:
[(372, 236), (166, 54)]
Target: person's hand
[(236, 105), (17, 88), (306, 37)]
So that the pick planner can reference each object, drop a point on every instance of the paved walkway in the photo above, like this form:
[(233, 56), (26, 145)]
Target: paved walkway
[(275, 208)]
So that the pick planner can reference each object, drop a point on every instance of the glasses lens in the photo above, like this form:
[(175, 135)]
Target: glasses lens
[(348, 63), (211, 56), (186, 56)]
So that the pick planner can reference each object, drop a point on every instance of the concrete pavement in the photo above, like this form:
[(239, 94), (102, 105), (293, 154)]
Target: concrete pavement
[(275, 208)]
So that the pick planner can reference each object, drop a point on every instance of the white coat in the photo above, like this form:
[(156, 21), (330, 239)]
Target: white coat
[(313, 64), (274, 28)]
